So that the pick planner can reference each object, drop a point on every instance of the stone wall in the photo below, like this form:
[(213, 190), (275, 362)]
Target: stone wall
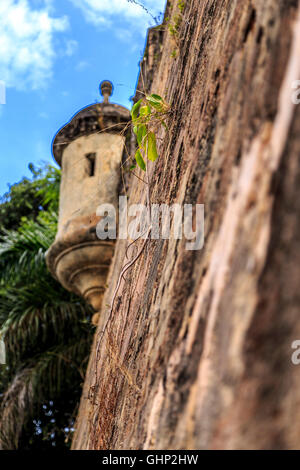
[(197, 353)]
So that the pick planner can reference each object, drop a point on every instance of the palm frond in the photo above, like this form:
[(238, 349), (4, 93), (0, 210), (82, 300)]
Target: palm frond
[(40, 379), (15, 405), (22, 251)]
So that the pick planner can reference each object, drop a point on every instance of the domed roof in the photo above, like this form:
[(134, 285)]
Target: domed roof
[(98, 117)]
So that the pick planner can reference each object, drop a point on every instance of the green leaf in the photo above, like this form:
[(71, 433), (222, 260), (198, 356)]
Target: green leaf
[(145, 110), (156, 97), (140, 160), (156, 102), (135, 109), (151, 148), (142, 131)]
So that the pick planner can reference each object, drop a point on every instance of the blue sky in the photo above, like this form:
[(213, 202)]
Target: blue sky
[(53, 55)]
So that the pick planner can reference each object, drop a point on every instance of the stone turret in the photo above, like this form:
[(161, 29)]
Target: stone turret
[(89, 150)]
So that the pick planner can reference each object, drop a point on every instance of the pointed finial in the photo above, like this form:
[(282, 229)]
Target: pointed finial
[(106, 90)]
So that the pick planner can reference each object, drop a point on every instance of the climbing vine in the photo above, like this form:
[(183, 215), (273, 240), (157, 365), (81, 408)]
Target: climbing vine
[(143, 7), (148, 113)]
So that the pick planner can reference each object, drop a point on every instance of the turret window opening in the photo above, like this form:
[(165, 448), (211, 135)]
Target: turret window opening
[(91, 160)]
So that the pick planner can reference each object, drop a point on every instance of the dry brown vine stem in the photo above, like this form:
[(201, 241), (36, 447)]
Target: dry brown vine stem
[(155, 19), (125, 268), (128, 265)]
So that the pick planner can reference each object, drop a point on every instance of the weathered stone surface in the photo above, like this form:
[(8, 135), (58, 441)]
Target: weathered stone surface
[(197, 353)]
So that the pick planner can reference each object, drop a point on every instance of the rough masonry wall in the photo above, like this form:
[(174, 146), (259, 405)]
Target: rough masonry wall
[(197, 354)]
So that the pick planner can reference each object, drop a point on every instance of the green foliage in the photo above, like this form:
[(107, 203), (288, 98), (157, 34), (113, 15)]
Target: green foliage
[(181, 5), (46, 329), (152, 150), (173, 25), (140, 161), (30, 196), (148, 113)]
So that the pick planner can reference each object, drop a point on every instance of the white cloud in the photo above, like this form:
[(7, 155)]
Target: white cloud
[(104, 12), (82, 65), (27, 50), (123, 34), (71, 47)]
